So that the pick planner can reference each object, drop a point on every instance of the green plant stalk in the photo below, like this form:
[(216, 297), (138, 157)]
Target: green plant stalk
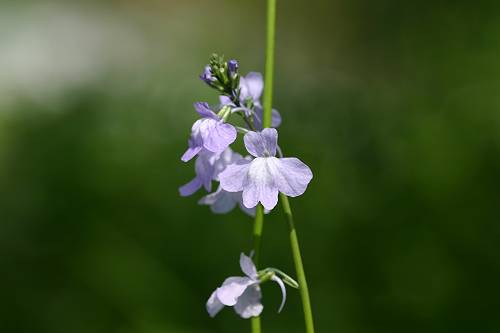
[(268, 82), (299, 267), (257, 233), (268, 96), (256, 326), (257, 238)]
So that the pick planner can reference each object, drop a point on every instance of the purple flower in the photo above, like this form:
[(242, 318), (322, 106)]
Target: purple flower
[(209, 132), (251, 88), (242, 292), (262, 178), (207, 76)]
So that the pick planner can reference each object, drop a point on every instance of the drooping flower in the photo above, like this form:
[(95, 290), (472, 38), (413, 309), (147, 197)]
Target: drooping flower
[(209, 132), (208, 166), (262, 178), (251, 88), (242, 292)]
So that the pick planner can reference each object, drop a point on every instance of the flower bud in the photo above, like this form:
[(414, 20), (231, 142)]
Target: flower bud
[(207, 76), (232, 66)]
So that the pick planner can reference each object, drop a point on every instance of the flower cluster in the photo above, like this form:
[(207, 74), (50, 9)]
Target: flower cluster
[(244, 181)]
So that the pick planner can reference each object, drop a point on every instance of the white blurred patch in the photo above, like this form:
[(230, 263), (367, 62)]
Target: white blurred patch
[(47, 50)]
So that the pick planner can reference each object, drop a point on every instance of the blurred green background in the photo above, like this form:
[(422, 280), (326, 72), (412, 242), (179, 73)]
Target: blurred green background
[(393, 104)]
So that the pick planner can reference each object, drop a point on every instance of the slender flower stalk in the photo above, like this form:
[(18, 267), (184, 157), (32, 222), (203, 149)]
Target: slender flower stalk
[(268, 95), (268, 83), (257, 232), (257, 237), (299, 267)]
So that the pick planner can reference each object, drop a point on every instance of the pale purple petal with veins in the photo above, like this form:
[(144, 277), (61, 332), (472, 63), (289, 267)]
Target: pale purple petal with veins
[(262, 144), (220, 201), (232, 288), (249, 303), (252, 86), (292, 176), (260, 185), (217, 135), (233, 178), (247, 266), (248, 211)]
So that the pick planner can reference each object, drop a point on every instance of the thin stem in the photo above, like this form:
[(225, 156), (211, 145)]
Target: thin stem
[(299, 267), (257, 233), (268, 83), (257, 237), (255, 321)]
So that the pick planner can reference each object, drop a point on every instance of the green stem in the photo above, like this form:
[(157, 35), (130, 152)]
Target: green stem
[(255, 321), (257, 237), (299, 267), (268, 83), (257, 233), (266, 121)]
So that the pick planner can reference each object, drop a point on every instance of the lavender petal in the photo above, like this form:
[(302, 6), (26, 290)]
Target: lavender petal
[(190, 153), (249, 304), (214, 306), (253, 85), (220, 202), (216, 135), (248, 267), (190, 188), (232, 288), (260, 185), (233, 178), (262, 144), (292, 176), (204, 110)]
